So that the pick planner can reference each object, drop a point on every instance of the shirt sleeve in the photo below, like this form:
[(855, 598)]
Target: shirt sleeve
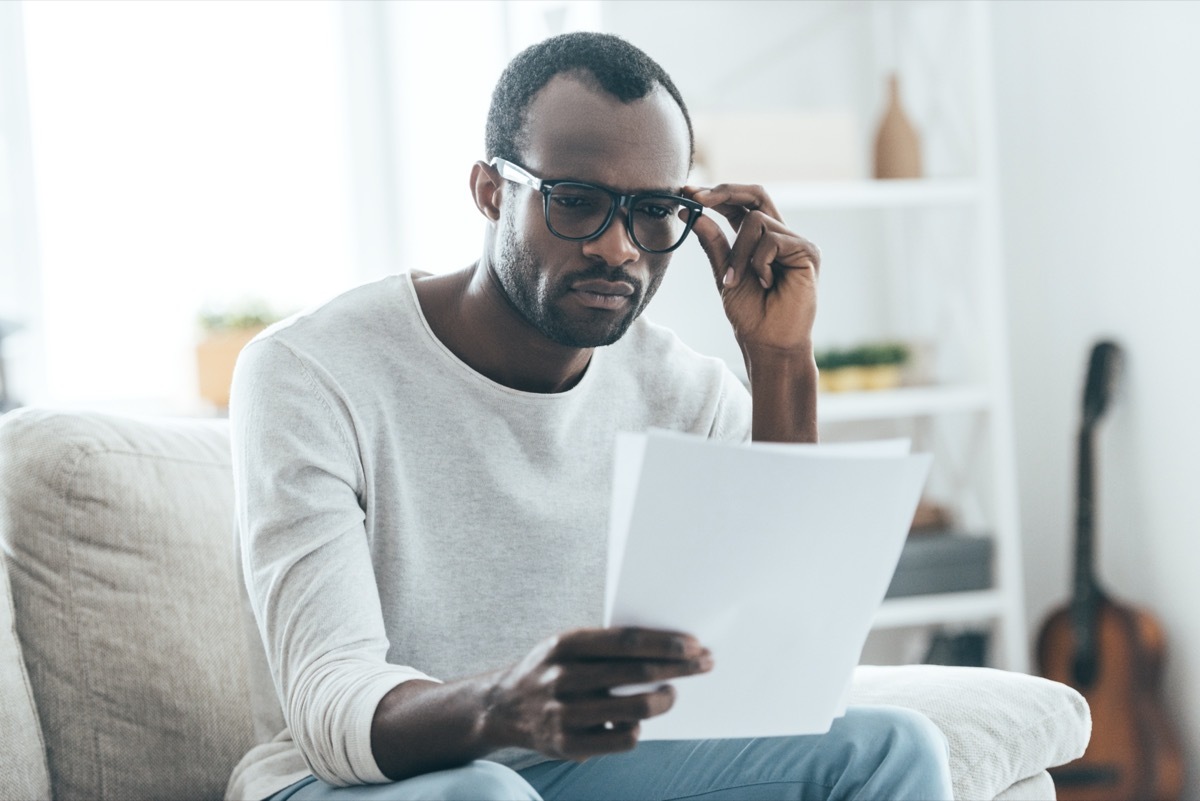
[(298, 489), (734, 412)]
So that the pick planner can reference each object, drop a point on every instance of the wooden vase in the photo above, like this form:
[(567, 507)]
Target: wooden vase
[(897, 146)]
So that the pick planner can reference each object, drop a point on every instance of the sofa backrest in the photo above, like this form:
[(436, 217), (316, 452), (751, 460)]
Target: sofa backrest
[(117, 535)]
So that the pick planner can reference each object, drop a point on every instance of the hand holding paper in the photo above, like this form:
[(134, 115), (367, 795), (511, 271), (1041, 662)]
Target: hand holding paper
[(557, 701), (778, 557)]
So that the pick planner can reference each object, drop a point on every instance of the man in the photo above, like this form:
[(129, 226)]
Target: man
[(422, 470)]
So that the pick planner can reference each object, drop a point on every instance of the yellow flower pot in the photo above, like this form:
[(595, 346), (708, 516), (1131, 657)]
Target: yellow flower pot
[(881, 376), (845, 379), (859, 379)]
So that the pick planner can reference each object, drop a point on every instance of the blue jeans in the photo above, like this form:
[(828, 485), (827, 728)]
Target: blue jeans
[(871, 753)]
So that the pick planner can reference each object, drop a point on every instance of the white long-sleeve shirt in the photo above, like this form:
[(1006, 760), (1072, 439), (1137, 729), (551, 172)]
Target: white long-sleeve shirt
[(401, 516)]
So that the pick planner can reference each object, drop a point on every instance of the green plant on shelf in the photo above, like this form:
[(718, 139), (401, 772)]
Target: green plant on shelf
[(243, 316), (870, 366)]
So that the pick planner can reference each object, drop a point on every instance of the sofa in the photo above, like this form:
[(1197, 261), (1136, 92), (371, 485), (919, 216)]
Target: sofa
[(127, 670)]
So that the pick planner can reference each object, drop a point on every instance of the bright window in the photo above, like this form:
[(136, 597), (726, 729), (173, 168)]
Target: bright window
[(185, 153), (192, 153)]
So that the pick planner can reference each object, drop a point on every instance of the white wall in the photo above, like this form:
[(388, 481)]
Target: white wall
[(1099, 138)]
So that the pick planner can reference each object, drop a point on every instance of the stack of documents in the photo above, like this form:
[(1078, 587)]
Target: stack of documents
[(776, 557)]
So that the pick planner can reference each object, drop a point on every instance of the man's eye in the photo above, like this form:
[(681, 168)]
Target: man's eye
[(572, 201), (656, 211)]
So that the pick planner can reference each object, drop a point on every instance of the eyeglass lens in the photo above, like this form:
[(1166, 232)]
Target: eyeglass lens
[(578, 211)]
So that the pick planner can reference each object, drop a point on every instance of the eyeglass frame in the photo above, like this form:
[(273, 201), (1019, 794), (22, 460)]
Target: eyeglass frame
[(511, 171)]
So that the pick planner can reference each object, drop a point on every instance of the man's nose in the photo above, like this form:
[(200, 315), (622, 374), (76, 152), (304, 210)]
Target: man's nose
[(614, 246)]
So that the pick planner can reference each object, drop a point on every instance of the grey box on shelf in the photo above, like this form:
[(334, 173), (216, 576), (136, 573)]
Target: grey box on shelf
[(942, 561)]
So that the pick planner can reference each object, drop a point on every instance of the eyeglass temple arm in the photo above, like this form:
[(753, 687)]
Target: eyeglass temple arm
[(513, 172)]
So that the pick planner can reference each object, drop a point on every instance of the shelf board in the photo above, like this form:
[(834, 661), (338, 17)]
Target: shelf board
[(949, 607), (833, 407), (867, 194)]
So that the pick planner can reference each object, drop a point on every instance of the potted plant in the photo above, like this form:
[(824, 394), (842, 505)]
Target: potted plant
[(225, 331), (882, 364), (870, 366), (838, 373)]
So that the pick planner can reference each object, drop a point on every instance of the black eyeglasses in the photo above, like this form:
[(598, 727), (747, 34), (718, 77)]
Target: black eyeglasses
[(580, 212)]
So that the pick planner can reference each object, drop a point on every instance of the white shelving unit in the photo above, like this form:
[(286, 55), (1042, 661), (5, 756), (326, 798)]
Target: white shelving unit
[(952, 607), (911, 260), (875, 194), (936, 278), (903, 402)]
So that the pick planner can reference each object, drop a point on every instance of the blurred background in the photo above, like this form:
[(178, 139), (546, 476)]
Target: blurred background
[(174, 175)]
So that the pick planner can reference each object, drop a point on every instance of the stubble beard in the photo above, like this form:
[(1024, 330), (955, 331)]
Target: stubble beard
[(522, 280)]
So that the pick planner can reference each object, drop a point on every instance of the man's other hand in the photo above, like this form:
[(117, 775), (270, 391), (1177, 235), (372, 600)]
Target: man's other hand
[(557, 700)]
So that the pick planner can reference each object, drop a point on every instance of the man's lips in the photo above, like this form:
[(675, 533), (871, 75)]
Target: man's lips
[(599, 287), (598, 294)]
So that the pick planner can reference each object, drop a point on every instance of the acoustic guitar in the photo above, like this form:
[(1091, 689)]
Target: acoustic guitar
[(1110, 652)]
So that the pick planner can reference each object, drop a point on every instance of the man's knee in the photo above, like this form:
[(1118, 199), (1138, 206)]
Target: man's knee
[(912, 733), (910, 753), (480, 781)]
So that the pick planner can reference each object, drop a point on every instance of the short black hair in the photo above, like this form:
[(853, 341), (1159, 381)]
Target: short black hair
[(619, 68)]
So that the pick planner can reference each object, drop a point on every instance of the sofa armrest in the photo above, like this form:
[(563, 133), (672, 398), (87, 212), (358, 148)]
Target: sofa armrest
[(1002, 727), (118, 537)]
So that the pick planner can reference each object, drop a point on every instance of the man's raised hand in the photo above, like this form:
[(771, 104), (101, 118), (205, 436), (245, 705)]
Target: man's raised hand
[(768, 276)]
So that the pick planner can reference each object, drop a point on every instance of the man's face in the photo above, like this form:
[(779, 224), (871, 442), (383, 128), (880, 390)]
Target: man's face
[(586, 294)]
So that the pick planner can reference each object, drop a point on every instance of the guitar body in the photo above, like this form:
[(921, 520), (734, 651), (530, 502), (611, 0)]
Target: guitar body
[(1110, 652), (1133, 753)]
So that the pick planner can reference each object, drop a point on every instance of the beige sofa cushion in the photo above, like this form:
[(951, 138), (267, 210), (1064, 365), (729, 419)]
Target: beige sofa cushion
[(119, 540), (22, 752)]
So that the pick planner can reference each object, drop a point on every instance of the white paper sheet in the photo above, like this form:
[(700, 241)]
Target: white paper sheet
[(775, 556)]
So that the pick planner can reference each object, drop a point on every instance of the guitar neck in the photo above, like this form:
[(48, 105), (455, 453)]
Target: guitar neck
[(1085, 576), (1087, 596)]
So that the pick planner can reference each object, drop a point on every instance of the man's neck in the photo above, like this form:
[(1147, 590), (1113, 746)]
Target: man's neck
[(471, 315)]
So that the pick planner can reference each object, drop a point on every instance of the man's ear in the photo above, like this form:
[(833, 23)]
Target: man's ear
[(485, 187)]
